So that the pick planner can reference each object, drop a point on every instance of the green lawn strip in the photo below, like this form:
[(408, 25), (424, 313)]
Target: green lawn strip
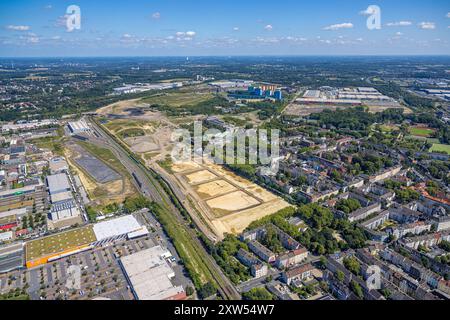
[(440, 148)]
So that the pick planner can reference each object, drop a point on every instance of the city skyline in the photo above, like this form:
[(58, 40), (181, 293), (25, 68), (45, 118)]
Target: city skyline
[(202, 28)]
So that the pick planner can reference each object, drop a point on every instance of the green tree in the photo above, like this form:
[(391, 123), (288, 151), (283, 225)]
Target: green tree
[(357, 290), (340, 276), (260, 294), (207, 290)]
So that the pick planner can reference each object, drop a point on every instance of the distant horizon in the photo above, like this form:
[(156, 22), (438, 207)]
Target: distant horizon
[(235, 56)]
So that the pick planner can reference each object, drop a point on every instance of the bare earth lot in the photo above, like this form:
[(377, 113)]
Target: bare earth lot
[(214, 189), (107, 189), (226, 201)]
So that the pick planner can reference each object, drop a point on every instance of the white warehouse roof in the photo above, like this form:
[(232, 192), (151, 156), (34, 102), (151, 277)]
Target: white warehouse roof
[(6, 236), (116, 227), (58, 183), (78, 126), (150, 275)]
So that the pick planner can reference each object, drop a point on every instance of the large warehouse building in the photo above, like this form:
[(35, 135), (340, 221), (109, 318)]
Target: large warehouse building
[(149, 275), (118, 229), (11, 257), (63, 202), (78, 127), (67, 243)]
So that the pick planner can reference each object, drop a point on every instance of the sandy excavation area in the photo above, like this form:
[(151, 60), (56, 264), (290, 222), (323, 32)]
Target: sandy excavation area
[(227, 202), (214, 189), (236, 223), (200, 177), (232, 202), (184, 166)]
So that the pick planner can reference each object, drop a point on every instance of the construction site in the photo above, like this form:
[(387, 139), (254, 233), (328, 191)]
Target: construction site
[(227, 202)]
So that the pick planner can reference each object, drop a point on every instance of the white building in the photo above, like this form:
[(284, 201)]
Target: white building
[(78, 127), (149, 275), (63, 204), (6, 236), (118, 229)]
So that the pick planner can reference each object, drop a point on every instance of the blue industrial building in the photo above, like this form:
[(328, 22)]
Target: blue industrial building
[(256, 93)]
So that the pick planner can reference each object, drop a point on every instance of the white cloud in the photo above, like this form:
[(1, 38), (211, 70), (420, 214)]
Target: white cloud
[(187, 33), (399, 34), (128, 39), (184, 36), (236, 29), (367, 12), (269, 27), (427, 25), (399, 24), (448, 15), (333, 27), (156, 15), (48, 7), (295, 39), (18, 28), (31, 38)]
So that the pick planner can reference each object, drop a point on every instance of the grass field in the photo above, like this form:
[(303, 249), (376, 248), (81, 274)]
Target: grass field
[(119, 125), (134, 132), (388, 128), (59, 243), (421, 132), (53, 143), (440, 148), (178, 99)]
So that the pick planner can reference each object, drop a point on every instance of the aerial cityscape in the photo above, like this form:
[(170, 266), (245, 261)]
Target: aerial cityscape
[(247, 157)]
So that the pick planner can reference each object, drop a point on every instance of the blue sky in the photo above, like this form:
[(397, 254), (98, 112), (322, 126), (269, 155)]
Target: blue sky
[(208, 27)]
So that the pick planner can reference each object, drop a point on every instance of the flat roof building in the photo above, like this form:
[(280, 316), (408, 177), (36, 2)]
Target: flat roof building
[(118, 228), (58, 183), (78, 126), (149, 275), (6, 236), (11, 257)]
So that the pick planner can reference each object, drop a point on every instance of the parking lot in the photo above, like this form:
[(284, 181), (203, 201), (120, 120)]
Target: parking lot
[(101, 274)]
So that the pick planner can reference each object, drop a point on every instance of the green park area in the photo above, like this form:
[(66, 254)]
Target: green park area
[(421, 132), (178, 99), (441, 148)]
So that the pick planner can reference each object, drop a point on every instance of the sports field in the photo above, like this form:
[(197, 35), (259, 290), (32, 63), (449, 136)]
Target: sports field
[(59, 243), (421, 132)]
